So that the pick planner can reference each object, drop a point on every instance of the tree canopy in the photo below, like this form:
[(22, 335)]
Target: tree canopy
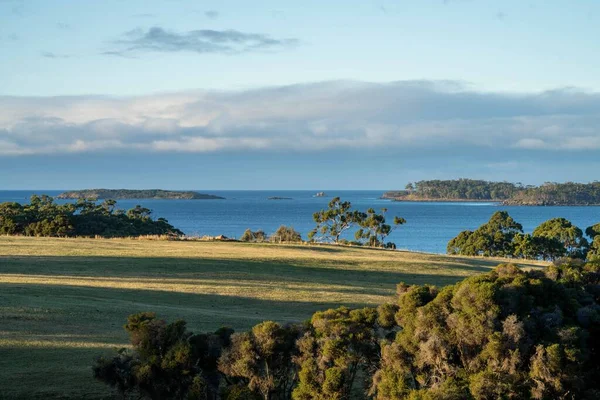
[(43, 217), (501, 236)]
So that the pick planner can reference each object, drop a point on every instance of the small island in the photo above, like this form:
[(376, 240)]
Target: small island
[(319, 194), (123, 194), (279, 198), (505, 193)]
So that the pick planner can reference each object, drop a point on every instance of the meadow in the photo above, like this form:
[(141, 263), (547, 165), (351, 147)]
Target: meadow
[(64, 301)]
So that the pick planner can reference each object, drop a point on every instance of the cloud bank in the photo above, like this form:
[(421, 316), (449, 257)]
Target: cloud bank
[(348, 116), (157, 39)]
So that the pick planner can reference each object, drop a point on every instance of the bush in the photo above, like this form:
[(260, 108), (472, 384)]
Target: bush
[(285, 234), (250, 236)]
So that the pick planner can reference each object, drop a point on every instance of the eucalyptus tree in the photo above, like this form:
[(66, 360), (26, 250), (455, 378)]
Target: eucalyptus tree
[(334, 221)]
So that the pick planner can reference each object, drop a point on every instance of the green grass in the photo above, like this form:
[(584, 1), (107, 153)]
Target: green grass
[(64, 301)]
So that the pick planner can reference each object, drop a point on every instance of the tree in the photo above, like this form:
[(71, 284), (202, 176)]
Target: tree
[(256, 236), (166, 362), (334, 221), (285, 234), (565, 232), (494, 238), (339, 345), (506, 334), (43, 217), (374, 230), (263, 358)]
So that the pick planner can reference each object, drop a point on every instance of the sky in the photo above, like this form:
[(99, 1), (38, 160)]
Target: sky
[(188, 94)]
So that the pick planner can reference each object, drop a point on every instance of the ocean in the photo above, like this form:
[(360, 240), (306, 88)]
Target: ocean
[(429, 225)]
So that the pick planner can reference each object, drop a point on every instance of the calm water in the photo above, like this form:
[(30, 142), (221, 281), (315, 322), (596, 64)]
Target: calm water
[(429, 225)]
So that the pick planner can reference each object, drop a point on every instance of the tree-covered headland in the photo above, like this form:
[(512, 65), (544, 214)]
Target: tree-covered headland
[(43, 217), (548, 194)]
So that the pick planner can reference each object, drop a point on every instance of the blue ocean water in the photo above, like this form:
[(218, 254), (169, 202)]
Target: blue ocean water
[(429, 226)]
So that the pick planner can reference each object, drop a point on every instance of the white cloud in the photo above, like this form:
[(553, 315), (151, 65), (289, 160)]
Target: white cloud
[(306, 117)]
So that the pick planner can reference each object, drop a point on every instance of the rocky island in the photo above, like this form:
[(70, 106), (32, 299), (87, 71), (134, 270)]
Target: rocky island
[(122, 194)]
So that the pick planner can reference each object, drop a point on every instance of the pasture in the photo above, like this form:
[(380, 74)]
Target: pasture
[(64, 301)]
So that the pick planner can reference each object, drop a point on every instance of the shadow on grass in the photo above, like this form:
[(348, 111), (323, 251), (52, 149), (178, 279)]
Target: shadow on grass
[(178, 270)]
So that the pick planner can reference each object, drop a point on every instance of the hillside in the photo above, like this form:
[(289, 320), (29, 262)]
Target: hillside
[(548, 194), (558, 194), (64, 301), (120, 194), (454, 190)]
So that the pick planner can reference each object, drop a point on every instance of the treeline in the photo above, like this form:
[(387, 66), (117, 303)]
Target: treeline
[(548, 194), (507, 334), (43, 217), (558, 194), (502, 236), (460, 189)]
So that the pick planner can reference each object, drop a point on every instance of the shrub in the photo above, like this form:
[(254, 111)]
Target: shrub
[(257, 236), (285, 234)]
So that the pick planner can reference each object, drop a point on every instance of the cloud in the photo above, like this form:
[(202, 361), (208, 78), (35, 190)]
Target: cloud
[(63, 26), (414, 116), (157, 39), (212, 14), (49, 54)]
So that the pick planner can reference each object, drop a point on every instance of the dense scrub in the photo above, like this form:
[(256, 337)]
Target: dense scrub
[(43, 217), (502, 236), (507, 334)]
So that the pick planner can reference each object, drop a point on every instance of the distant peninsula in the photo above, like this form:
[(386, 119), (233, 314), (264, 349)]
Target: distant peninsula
[(506, 193), (123, 194)]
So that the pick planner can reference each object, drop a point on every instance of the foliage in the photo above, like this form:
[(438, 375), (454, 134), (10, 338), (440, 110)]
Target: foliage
[(563, 231), (285, 234), (459, 189), (492, 239), (254, 236), (43, 217), (373, 229), (339, 346), (558, 194), (339, 218), (506, 334), (334, 221), (502, 236), (167, 361), (263, 359)]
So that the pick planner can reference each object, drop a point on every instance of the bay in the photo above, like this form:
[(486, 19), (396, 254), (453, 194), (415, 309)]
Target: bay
[(429, 227)]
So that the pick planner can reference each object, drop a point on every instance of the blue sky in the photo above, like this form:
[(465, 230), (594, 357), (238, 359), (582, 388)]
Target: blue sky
[(296, 95)]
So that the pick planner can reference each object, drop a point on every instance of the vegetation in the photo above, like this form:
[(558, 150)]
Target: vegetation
[(506, 334), (501, 236), (285, 234), (43, 217), (558, 194), (459, 189), (548, 194), (339, 218), (254, 236), (121, 194), (64, 301)]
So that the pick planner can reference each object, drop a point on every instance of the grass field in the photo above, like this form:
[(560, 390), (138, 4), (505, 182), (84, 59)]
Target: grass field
[(64, 301)]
